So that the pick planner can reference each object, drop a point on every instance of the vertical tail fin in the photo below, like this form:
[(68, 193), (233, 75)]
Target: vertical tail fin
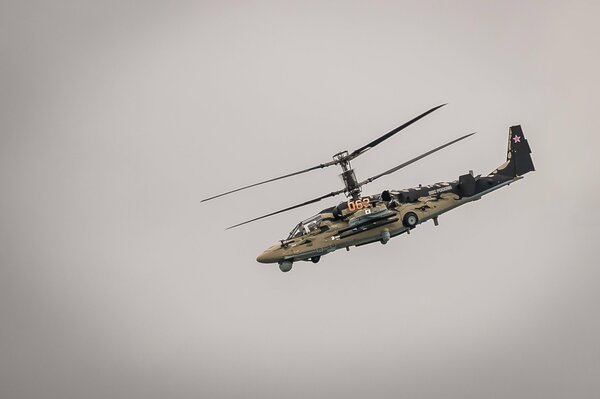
[(518, 158)]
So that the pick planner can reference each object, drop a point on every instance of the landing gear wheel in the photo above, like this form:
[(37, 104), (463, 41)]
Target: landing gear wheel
[(315, 259), (285, 266), (410, 219)]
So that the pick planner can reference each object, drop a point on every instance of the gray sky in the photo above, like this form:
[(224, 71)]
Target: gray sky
[(116, 119)]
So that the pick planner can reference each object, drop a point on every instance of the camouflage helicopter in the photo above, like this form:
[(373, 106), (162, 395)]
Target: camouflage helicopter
[(363, 220)]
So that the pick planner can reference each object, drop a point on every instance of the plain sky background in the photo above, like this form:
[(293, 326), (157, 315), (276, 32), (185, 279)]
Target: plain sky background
[(117, 118)]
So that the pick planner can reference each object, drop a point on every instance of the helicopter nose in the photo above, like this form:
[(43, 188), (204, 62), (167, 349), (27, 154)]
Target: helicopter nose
[(268, 256), (263, 258)]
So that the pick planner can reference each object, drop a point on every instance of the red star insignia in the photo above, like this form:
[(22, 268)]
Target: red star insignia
[(517, 139)]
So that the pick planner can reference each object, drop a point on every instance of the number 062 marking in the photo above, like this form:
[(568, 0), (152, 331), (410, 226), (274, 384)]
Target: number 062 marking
[(359, 204)]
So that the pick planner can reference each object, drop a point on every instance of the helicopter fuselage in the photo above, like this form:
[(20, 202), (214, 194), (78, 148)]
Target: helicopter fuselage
[(377, 218)]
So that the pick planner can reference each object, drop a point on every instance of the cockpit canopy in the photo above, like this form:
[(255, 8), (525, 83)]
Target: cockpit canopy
[(305, 227)]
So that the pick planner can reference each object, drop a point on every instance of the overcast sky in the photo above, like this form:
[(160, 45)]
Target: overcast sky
[(117, 118)]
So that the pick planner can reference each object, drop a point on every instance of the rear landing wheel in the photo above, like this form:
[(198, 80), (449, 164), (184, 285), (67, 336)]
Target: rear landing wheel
[(285, 266), (315, 259), (410, 219)]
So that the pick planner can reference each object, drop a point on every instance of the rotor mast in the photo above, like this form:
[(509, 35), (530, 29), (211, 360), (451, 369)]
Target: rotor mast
[(352, 186)]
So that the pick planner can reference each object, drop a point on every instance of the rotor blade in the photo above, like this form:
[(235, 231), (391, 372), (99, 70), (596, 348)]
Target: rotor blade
[(323, 165), (391, 133), (387, 172), (332, 194)]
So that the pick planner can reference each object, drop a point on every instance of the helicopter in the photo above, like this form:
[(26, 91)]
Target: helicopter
[(362, 220)]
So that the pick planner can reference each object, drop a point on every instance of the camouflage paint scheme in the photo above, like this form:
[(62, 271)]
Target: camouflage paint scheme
[(378, 218)]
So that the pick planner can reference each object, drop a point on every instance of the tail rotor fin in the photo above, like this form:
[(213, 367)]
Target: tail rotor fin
[(518, 158)]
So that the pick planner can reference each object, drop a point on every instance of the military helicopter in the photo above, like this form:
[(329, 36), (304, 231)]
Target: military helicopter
[(364, 220)]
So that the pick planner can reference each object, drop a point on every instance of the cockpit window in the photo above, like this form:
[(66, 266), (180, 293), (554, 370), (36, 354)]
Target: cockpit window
[(305, 227), (297, 232), (311, 224)]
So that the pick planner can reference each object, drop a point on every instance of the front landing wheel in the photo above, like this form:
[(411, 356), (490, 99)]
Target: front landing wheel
[(285, 266)]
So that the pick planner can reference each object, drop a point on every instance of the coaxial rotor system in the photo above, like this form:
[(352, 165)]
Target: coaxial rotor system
[(352, 185)]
